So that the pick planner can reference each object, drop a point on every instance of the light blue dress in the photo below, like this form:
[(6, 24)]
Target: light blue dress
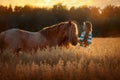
[(89, 37)]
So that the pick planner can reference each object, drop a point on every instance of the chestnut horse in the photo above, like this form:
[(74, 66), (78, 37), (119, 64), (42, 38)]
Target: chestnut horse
[(59, 34)]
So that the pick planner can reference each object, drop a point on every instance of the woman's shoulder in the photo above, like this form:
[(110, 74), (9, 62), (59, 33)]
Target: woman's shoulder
[(90, 33)]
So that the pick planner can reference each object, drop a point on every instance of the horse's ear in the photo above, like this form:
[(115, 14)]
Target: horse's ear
[(69, 23)]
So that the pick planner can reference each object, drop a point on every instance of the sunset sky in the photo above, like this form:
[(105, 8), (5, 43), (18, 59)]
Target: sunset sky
[(69, 3)]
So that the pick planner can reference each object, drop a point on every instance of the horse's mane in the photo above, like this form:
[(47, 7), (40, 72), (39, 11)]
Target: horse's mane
[(51, 29), (53, 26)]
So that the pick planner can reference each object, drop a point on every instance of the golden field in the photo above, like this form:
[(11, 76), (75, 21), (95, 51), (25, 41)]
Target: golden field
[(99, 62)]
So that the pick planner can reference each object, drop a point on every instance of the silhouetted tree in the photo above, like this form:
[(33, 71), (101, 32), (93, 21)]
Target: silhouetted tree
[(60, 12), (106, 21)]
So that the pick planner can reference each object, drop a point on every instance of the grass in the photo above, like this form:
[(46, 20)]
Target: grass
[(100, 62)]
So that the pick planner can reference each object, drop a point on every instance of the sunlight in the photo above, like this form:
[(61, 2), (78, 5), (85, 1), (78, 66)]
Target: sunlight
[(68, 3), (47, 1)]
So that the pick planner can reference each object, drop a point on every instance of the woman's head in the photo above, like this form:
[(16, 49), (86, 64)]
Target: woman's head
[(87, 26)]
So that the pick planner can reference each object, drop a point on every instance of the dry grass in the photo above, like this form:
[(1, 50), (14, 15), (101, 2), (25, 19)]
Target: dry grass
[(101, 62)]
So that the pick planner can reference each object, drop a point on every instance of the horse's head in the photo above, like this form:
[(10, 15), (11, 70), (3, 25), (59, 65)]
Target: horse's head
[(72, 33), (69, 32)]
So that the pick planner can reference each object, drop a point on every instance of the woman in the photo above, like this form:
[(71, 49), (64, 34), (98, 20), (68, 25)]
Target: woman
[(86, 36)]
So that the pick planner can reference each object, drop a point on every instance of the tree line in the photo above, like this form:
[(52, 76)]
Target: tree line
[(106, 21)]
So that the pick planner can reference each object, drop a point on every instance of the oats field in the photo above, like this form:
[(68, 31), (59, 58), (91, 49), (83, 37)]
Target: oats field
[(99, 62)]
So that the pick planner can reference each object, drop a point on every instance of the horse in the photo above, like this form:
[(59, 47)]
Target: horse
[(60, 34)]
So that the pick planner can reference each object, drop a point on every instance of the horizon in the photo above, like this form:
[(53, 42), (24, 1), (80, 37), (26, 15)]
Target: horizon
[(67, 3)]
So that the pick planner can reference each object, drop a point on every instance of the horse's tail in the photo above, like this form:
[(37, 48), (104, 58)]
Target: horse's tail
[(1, 42)]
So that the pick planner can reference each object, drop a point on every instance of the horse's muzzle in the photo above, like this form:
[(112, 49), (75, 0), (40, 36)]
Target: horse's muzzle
[(74, 43)]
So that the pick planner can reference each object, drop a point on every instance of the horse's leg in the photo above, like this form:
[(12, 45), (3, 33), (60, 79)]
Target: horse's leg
[(1, 51), (17, 51)]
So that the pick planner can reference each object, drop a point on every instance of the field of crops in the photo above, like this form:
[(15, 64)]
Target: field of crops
[(99, 62)]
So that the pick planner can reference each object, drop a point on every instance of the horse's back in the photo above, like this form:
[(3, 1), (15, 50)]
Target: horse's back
[(17, 38)]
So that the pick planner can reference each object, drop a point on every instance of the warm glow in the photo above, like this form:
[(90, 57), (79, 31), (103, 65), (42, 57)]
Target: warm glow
[(69, 3), (47, 1)]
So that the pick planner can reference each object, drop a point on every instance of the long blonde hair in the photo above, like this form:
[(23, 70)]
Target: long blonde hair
[(88, 26)]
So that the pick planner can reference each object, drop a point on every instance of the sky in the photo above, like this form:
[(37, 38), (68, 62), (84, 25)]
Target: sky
[(68, 3)]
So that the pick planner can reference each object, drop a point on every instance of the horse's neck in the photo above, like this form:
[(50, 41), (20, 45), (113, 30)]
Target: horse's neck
[(48, 33), (54, 34)]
